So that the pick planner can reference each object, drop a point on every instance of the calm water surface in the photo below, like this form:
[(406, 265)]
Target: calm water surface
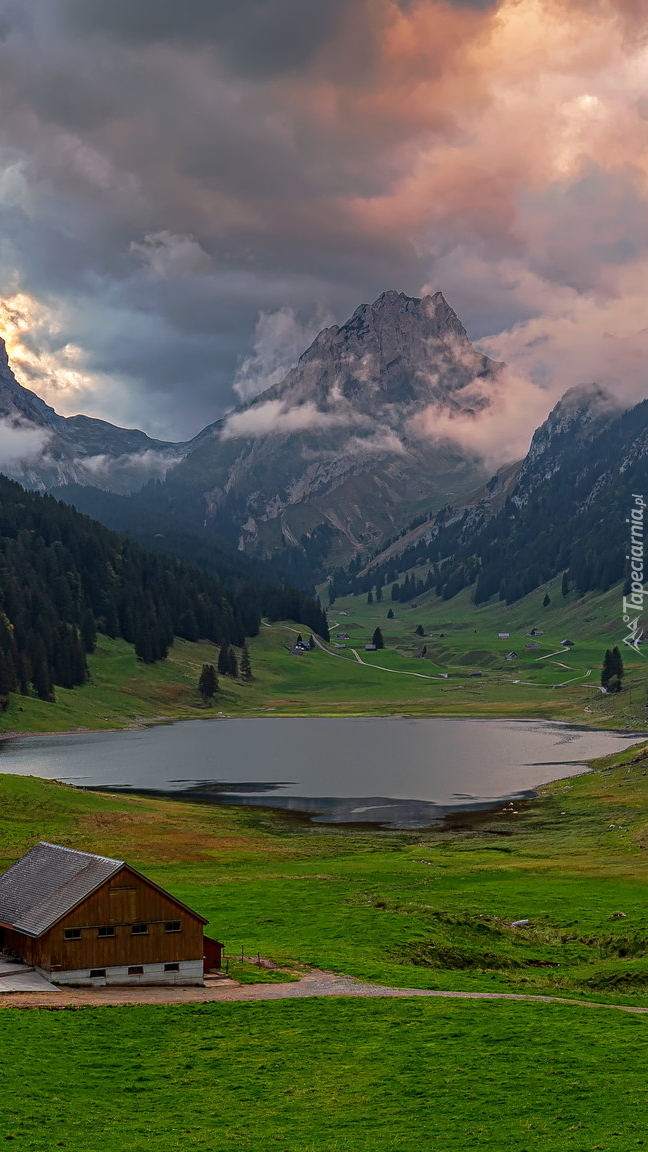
[(396, 772)]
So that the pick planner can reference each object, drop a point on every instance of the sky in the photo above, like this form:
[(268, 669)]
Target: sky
[(189, 192)]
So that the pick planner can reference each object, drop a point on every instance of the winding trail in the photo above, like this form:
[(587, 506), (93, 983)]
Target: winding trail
[(365, 664), (314, 983)]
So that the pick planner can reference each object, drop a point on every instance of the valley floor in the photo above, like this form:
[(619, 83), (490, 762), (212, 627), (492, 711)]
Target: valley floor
[(459, 667)]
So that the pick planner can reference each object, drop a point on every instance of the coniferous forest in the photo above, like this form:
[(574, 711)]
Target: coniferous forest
[(64, 578)]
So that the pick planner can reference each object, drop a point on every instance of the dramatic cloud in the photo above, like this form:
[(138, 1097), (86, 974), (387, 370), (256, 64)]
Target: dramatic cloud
[(185, 190), (274, 416), (279, 340)]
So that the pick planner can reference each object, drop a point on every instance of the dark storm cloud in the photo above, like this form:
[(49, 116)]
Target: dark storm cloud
[(173, 176), (258, 37)]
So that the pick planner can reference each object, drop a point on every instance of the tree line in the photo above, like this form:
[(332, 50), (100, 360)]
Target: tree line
[(64, 578)]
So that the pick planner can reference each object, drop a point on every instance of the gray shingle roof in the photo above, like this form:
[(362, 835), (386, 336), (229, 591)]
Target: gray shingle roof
[(47, 883)]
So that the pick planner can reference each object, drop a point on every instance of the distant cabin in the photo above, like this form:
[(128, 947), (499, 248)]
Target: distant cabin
[(511, 655), (503, 635), (370, 647), (78, 918), (474, 674), (535, 632), (343, 636), (343, 613), (532, 645), (339, 645), (566, 643)]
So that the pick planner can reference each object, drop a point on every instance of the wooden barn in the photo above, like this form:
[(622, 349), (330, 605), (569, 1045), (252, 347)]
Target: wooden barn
[(78, 918)]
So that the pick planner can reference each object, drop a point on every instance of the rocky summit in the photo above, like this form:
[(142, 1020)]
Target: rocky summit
[(342, 452)]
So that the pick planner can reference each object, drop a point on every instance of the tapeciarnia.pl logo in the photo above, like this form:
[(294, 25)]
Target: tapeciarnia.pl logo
[(634, 601)]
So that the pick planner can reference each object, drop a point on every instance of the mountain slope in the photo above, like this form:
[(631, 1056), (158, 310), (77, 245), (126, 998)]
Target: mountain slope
[(564, 509), (326, 463), (63, 577), (52, 449), (343, 449)]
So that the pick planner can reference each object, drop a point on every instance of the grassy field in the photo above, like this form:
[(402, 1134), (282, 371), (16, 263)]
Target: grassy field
[(322, 1076), (461, 640), (431, 909), (428, 910)]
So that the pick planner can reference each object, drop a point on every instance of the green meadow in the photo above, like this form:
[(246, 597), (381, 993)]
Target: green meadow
[(463, 670), (429, 910), (325, 1076)]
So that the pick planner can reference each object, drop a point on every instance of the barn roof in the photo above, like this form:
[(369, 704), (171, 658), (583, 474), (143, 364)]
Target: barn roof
[(50, 880), (47, 883)]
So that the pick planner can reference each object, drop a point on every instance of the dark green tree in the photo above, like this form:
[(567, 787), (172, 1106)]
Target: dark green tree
[(617, 662), (379, 593), (370, 597), (224, 660), (608, 669), (88, 629), (390, 614), (419, 630), (565, 584), (246, 665), (208, 682), (547, 600), (377, 639), (233, 664)]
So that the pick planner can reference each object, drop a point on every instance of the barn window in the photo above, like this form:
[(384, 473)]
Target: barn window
[(97, 972), (136, 970), (72, 933), (171, 967), (139, 929), (106, 930), (172, 926)]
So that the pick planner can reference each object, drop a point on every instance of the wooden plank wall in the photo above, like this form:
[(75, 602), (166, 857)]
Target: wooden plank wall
[(124, 900)]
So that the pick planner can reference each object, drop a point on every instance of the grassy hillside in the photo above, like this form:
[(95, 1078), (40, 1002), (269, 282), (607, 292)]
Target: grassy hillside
[(460, 640), (430, 910)]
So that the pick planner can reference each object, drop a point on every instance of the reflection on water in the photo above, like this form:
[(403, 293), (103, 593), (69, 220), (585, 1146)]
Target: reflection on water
[(389, 771)]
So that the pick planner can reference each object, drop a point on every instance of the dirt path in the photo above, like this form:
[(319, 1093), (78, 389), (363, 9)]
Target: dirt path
[(314, 983)]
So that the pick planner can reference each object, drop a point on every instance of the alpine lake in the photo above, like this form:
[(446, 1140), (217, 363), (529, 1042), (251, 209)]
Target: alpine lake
[(392, 772)]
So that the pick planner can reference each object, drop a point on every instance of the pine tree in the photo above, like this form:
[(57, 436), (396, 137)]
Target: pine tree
[(246, 666), (88, 629), (419, 630), (608, 669), (370, 597), (208, 682), (224, 660), (379, 593), (617, 663), (565, 584), (395, 593), (233, 664), (390, 614), (547, 600), (377, 639)]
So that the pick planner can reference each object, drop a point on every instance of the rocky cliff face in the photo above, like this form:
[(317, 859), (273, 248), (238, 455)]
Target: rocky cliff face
[(340, 452)]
